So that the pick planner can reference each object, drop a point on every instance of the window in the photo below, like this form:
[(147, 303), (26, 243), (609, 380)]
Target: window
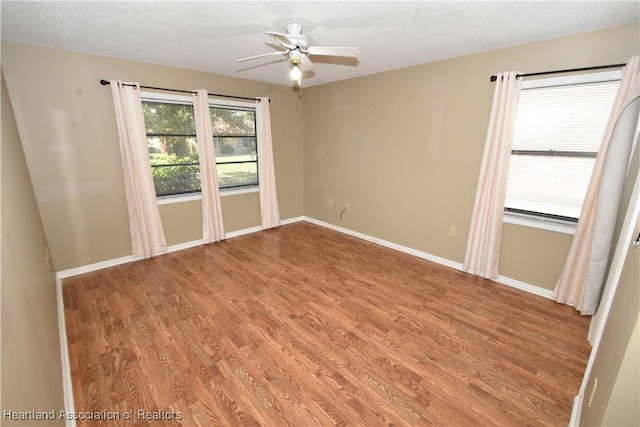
[(234, 139), (173, 149), (557, 135)]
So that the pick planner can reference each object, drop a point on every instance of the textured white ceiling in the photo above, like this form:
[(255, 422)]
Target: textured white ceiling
[(211, 35)]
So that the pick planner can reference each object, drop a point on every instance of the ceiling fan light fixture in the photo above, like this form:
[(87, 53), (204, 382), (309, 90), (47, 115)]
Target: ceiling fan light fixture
[(296, 73)]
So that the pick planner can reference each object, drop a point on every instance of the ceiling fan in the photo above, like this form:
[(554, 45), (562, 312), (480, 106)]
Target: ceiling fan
[(296, 46)]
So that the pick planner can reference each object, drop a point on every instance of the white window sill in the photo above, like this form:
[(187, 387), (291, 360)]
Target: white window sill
[(167, 200), (559, 226)]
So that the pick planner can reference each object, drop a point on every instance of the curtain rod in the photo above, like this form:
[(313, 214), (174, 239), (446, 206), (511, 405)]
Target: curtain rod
[(106, 82), (542, 73)]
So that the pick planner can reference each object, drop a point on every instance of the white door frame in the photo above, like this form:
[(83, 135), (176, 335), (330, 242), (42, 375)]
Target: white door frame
[(599, 320)]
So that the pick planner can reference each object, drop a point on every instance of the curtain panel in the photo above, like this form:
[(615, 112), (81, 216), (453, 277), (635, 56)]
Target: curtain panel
[(582, 278), (269, 210), (212, 224), (483, 245), (147, 236)]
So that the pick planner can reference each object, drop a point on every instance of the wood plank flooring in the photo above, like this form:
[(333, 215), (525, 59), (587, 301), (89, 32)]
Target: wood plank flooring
[(303, 326)]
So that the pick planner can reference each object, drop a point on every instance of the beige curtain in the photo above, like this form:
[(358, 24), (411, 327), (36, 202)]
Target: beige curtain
[(583, 275), (269, 211), (212, 225), (147, 236), (483, 244)]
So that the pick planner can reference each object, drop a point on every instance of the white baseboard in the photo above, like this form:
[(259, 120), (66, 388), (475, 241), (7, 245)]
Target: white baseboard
[(385, 243), (576, 410), (67, 384), (64, 274), (536, 290), (242, 232), (523, 286), (185, 245), (292, 220)]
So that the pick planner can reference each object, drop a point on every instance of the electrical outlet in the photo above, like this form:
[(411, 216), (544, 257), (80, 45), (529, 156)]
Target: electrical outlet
[(452, 231)]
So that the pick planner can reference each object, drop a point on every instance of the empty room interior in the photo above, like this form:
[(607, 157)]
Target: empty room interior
[(320, 213)]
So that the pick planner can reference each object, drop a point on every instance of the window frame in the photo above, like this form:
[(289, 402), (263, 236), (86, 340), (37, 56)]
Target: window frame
[(186, 99), (549, 222), (240, 105)]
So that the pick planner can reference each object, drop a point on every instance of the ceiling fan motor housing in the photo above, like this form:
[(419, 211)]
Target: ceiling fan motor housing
[(294, 34)]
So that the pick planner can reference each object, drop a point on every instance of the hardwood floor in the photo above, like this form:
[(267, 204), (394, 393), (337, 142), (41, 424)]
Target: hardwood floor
[(304, 326)]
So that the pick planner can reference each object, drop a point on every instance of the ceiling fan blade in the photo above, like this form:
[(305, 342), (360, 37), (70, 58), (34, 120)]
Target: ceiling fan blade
[(333, 51), (284, 52), (305, 63), (282, 38)]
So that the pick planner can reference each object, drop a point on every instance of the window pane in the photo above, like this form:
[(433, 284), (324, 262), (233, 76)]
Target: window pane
[(172, 149), (174, 164), (564, 118), (178, 179), (231, 121), (172, 146), (549, 185), (233, 147), (237, 174), (165, 118), (235, 144)]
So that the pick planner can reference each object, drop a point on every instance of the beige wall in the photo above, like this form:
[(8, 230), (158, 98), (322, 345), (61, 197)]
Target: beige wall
[(31, 368), (622, 408), (403, 148), (616, 363), (68, 130)]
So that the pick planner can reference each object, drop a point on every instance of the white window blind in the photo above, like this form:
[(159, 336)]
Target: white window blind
[(557, 136)]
